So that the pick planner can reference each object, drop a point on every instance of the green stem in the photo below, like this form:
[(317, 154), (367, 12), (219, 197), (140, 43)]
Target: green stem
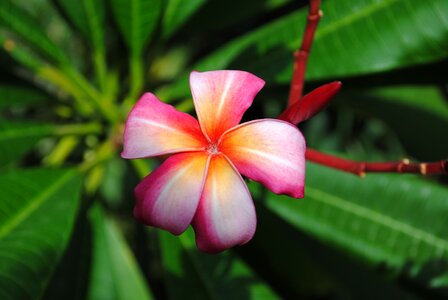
[(102, 153), (60, 80), (78, 129), (136, 80), (99, 61), (62, 150), (104, 107)]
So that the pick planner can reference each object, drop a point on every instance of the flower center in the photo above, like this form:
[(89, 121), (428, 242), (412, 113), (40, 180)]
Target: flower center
[(212, 149)]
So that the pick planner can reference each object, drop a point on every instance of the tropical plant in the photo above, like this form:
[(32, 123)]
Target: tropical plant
[(71, 72)]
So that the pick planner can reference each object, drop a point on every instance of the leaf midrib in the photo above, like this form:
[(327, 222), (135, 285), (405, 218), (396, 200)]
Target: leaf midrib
[(33, 205), (378, 218)]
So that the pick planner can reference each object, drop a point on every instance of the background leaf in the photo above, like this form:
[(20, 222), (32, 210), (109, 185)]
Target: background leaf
[(353, 38), (203, 276), (16, 138), (37, 213), (24, 25), (396, 220), (177, 12), (20, 96), (412, 112), (136, 20), (115, 273), (88, 17)]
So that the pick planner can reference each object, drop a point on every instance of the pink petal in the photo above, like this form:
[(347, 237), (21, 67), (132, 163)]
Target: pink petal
[(169, 196), (269, 151), (155, 128), (226, 214), (221, 98)]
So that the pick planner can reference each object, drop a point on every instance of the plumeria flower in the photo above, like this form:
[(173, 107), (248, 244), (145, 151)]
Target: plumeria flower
[(201, 183)]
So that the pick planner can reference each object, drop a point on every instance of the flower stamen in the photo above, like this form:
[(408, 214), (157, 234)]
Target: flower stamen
[(212, 149)]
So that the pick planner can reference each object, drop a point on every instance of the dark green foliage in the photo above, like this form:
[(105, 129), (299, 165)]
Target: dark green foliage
[(72, 71)]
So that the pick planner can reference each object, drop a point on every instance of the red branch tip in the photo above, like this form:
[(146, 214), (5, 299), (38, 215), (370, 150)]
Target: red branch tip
[(311, 103)]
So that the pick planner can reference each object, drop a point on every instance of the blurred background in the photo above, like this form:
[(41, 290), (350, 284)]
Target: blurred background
[(71, 71)]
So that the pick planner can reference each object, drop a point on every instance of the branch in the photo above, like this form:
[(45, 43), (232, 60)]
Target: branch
[(361, 168), (301, 55)]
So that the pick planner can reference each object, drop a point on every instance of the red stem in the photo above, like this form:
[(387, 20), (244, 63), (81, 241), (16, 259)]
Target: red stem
[(361, 168), (301, 55), (293, 115)]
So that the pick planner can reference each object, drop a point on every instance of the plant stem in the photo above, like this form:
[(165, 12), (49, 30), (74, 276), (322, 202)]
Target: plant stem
[(361, 168), (62, 150), (78, 129), (103, 106), (102, 153), (301, 55), (135, 80)]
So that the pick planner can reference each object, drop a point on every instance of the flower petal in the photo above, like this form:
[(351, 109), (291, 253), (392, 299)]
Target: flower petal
[(226, 214), (169, 196), (155, 128), (221, 98), (269, 151)]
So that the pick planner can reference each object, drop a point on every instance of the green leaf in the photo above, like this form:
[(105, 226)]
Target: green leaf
[(177, 12), (88, 17), (115, 273), (16, 138), (20, 22), (19, 96), (203, 276), (353, 38), (398, 221), (136, 20), (411, 112), (37, 213)]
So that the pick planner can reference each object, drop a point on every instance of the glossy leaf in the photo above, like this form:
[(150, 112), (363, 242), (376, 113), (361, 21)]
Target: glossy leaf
[(18, 96), (16, 138), (177, 12), (37, 213), (20, 22), (396, 220), (203, 276), (354, 37), (136, 20), (411, 112), (115, 273)]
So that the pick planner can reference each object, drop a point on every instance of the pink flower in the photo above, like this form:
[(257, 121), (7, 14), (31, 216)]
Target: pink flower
[(200, 183)]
